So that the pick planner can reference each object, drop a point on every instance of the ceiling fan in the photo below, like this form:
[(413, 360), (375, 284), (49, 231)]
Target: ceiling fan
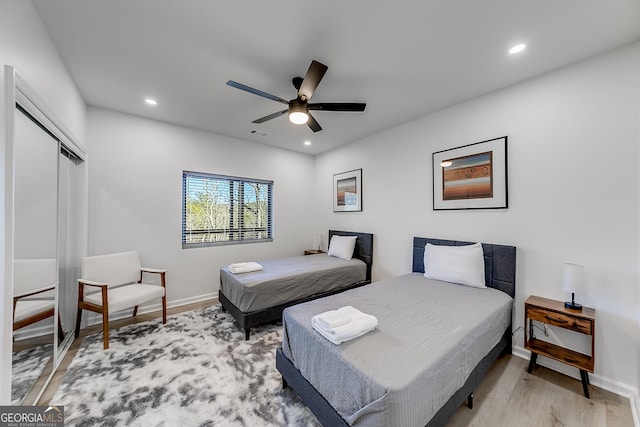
[(299, 107)]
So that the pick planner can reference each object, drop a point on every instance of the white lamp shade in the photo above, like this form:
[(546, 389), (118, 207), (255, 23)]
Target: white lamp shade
[(573, 277)]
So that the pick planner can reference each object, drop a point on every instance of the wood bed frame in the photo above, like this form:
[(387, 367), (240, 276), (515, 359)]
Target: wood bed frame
[(500, 273), (363, 251)]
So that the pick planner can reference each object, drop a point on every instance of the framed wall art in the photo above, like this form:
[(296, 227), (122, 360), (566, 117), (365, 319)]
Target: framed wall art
[(347, 191), (473, 176)]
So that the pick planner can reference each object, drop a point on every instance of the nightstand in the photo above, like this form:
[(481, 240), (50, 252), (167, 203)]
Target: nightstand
[(554, 313), (313, 252)]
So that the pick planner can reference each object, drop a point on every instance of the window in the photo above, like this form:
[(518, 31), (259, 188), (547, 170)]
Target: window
[(218, 209)]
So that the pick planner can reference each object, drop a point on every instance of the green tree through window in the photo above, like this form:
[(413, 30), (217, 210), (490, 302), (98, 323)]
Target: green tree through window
[(220, 209)]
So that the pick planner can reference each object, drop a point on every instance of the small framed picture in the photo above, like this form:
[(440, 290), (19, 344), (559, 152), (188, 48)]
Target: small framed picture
[(347, 191), (473, 176)]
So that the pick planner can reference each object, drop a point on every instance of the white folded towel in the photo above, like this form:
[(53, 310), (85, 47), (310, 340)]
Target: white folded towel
[(334, 318), (244, 267), (358, 325)]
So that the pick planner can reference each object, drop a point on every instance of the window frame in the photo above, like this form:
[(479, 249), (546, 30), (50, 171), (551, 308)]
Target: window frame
[(233, 180)]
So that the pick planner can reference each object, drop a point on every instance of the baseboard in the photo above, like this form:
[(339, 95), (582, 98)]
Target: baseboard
[(32, 332), (94, 318), (604, 383), (185, 301)]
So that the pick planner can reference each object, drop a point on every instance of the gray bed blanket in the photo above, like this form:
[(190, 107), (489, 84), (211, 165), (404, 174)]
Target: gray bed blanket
[(429, 338), (288, 279)]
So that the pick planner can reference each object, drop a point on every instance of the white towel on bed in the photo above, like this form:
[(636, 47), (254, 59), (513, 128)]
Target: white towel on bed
[(244, 267), (335, 318), (359, 324)]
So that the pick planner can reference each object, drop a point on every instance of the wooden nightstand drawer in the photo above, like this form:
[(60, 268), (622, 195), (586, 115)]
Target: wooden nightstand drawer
[(562, 320)]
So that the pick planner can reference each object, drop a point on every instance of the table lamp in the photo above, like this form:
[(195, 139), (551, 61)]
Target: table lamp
[(317, 241), (573, 281)]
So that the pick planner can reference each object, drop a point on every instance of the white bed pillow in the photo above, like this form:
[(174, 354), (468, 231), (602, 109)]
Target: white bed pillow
[(342, 246), (463, 265)]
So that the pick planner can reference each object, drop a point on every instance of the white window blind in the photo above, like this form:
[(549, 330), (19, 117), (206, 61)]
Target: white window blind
[(218, 209)]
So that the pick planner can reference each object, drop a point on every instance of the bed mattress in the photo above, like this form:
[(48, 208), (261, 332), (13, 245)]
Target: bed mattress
[(288, 279), (429, 338)]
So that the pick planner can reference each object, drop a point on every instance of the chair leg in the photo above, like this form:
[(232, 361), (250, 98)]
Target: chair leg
[(60, 331), (105, 329), (135, 311), (163, 282), (78, 319)]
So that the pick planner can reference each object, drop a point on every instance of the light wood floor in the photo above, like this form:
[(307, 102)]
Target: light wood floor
[(507, 397)]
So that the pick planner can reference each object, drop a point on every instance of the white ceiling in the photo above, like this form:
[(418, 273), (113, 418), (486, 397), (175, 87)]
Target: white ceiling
[(404, 58)]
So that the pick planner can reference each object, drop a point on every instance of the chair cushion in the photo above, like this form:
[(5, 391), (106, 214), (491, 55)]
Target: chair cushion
[(113, 269), (127, 296), (27, 308)]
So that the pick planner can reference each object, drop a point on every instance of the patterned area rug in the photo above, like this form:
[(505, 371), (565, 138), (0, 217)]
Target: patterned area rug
[(197, 370), (27, 366)]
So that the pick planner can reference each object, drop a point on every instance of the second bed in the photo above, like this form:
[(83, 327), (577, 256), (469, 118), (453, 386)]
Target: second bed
[(260, 297)]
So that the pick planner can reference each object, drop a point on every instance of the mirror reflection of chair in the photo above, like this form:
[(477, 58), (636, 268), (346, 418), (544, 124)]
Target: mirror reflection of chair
[(111, 283), (34, 283)]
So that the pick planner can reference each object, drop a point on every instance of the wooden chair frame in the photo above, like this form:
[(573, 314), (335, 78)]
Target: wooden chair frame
[(104, 309), (35, 318)]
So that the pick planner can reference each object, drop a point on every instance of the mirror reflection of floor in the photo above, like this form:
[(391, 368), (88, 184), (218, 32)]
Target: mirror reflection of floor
[(28, 365)]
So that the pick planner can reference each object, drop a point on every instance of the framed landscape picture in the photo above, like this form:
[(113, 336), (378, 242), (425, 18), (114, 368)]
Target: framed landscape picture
[(473, 176), (347, 191)]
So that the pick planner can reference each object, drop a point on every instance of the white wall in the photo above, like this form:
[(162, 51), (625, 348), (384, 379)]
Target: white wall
[(25, 45), (135, 196), (573, 193), (638, 263)]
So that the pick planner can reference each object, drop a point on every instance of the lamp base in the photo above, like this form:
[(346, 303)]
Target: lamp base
[(572, 305)]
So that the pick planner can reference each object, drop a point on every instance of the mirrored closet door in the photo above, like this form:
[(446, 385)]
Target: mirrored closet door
[(35, 278), (44, 194)]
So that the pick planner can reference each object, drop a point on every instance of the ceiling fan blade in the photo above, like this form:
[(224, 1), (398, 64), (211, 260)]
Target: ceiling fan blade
[(270, 116), (338, 106), (312, 79), (313, 124), (256, 91)]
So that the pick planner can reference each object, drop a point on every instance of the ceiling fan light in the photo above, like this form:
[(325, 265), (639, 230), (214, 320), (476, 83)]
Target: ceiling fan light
[(298, 117), (298, 113)]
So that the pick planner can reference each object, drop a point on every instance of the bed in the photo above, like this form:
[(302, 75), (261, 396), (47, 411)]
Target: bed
[(260, 297), (431, 361)]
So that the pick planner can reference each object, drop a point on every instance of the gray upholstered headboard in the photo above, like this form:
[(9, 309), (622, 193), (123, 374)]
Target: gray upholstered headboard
[(499, 262), (363, 249)]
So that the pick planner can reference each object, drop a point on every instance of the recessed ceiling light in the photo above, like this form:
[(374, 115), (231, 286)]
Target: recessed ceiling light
[(151, 101), (517, 48), (307, 143)]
